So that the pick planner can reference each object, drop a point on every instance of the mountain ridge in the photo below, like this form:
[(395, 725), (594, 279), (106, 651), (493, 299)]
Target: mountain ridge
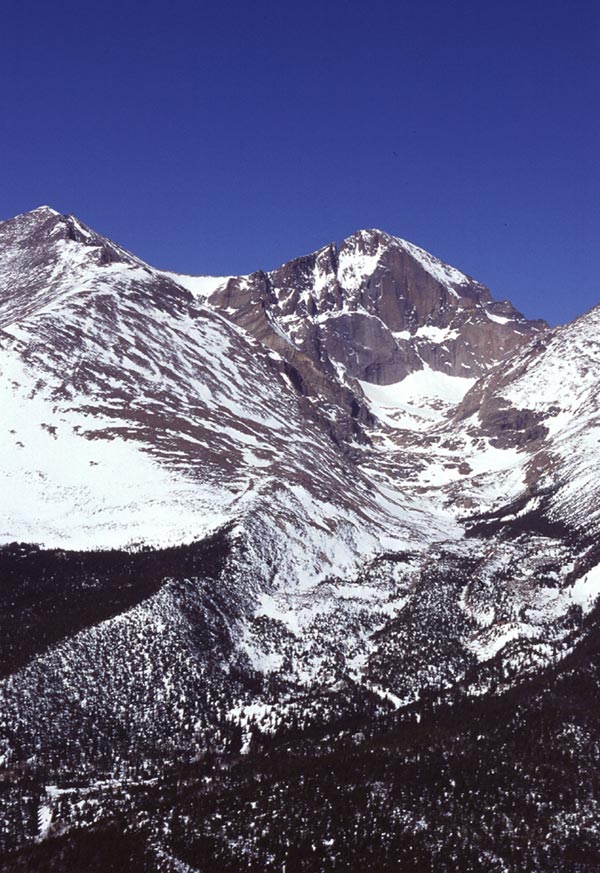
[(297, 504)]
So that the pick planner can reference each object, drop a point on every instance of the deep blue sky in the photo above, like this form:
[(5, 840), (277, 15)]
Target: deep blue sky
[(227, 137)]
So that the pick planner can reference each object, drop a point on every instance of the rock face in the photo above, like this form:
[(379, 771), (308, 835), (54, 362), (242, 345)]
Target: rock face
[(322, 511), (376, 309), (381, 308)]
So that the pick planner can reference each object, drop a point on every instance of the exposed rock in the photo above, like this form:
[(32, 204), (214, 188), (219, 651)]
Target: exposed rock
[(379, 307)]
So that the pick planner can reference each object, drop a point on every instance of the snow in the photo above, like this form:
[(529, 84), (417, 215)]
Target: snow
[(81, 228), (498, 319), (269, 607), (422, 383), (355, 267), (321, 278), (485, 458), (67, 480), (44, 820), (39, 210), (585, 591), (436, 334), (559, 373), (63, 489), (428, 332), (417, 401), (444, 273), (261, 661), (493, 639), (385, 694), (200, 286)]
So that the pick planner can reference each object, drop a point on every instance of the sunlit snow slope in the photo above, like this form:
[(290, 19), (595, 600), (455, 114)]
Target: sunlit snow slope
[(134, 414)]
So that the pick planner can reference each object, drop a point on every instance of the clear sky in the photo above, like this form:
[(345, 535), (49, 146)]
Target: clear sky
[(225, 137)]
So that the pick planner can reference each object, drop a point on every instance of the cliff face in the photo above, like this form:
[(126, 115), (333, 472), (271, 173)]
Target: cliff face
[(379, 307), (373, 310)]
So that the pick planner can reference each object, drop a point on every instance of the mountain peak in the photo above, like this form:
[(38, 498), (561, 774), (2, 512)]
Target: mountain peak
[(368, 234), (40, 213), (375, 243), (66, 253), (375, 308), (44, 209)]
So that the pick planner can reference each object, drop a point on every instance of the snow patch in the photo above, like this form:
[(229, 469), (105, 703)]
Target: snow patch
[(436, 334), (422, 398), (585, 591), (498, 319), (44, 817), (200, 286)]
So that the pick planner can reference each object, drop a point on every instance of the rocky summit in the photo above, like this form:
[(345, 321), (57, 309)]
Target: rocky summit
[(299, 570)]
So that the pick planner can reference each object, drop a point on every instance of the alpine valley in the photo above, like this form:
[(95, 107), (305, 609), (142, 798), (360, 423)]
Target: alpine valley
[(299, 570)]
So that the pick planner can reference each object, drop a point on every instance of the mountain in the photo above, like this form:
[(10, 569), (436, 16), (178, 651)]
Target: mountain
[(380, 307), (376, 309), (266, 532)]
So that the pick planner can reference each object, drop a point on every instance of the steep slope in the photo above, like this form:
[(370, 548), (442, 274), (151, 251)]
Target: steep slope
[(517, 462), (174, 421), (545, 400)]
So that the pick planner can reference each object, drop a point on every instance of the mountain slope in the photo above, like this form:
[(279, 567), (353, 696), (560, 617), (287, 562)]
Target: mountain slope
[(272, 509), (174, 421)]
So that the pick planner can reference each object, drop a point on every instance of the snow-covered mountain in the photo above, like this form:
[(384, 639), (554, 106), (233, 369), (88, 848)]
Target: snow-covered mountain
[(262, 506), (380, 308)]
